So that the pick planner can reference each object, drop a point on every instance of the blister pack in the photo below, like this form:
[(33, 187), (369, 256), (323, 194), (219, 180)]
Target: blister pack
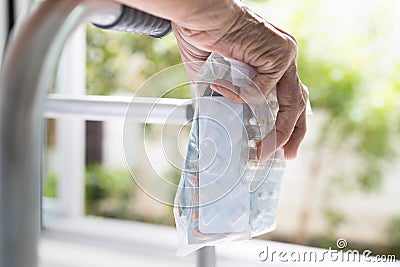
[(225, 192)]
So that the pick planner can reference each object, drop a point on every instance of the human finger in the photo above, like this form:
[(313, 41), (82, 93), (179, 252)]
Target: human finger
[(228, 90), (191, 55), (292, 102), (292, 146), (248, 94)]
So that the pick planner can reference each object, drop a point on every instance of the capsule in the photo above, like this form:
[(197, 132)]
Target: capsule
[(201, 236), (255, 165), (253, 154), (256, 121), (254, 143)]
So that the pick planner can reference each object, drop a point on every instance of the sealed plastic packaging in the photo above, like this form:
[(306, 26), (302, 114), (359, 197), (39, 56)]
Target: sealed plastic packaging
[(225, 192)]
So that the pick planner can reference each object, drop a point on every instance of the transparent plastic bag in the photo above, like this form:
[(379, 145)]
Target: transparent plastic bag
[(225, 193)]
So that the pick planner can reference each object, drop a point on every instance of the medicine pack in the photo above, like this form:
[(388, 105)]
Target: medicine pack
[(225, 192)]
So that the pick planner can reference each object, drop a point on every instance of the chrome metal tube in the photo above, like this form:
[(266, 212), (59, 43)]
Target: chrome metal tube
[(101, 108), (205, 257), (136, 21), (26, 77), (107, 16)]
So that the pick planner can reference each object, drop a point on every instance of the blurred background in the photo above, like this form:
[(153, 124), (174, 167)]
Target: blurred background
[(345, 182)]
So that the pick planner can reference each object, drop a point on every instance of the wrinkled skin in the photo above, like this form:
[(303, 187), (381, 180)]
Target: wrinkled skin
[(233, 30)]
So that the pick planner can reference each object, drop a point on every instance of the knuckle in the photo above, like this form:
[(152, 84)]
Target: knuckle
[(302, 104), (304, 97), (290, 47), (284, 53)]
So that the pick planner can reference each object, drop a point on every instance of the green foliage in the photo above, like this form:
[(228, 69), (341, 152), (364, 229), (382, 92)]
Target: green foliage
[(334, 218), (182, 91), (333, 88), (108, 193), (118, 61), (358, 98), (348, 78), (112, 193), (50, 185), (393, 231)]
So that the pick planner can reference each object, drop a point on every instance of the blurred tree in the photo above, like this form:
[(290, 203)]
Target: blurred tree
[(348, 56), (50, 185), (118, 61), (109, 193), (353, 75)]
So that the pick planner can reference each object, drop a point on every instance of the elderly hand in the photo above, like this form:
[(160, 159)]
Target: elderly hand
[(234, 31)]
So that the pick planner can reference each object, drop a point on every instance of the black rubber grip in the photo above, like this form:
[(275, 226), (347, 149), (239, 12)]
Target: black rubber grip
[(136, 21)]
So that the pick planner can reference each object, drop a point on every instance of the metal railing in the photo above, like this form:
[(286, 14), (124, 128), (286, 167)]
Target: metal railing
[(26, 77), (147, 109)]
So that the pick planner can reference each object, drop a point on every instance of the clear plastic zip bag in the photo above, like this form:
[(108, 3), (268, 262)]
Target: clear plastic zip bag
[(225, 192)]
